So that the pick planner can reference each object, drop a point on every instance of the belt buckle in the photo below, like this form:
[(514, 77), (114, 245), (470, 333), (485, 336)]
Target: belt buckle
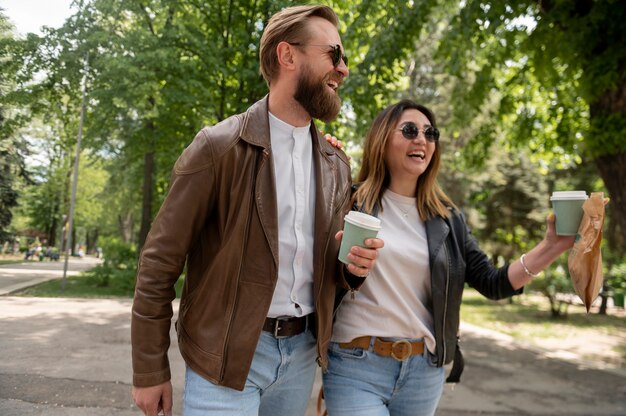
[(400, 342), (277, 328)]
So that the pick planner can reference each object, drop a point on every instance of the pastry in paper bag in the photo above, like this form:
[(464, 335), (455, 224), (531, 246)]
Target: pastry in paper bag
[(585, 259)]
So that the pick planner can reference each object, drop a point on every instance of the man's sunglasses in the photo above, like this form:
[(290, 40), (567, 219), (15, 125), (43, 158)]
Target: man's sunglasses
[(410, 132), (335, 53)]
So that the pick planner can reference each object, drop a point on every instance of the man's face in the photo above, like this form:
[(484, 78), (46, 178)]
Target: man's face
[(319, 78), (316, 97)]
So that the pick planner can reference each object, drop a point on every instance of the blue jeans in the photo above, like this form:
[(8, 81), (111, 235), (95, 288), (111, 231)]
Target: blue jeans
[(279, 382), (360, 382)]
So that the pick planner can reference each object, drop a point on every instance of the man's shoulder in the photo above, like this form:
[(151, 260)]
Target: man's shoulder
[(210, 142)]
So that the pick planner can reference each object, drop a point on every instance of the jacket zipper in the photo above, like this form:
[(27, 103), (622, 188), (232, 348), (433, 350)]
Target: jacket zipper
[(232, 310), (445, 303)]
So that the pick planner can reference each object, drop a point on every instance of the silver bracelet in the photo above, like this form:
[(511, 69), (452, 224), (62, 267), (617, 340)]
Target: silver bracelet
[(528, 272)]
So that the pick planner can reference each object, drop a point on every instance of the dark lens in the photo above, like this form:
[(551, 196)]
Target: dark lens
[(431, 134), (410, 131), (336, 55)]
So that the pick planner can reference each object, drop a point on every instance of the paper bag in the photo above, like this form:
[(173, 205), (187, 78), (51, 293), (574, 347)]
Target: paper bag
[(585, 259)]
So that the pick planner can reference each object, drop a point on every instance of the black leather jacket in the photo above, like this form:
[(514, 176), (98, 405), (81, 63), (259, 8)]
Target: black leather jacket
[(455, 259)]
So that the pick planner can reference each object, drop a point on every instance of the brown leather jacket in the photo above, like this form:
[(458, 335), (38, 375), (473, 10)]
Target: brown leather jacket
[(220, 217)]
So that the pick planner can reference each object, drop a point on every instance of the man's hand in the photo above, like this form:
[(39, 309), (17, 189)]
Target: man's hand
[(154, 399), (362, 259)]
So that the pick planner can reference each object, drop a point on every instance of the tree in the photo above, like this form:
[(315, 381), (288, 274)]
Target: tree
[(570, 52), (12, 150)]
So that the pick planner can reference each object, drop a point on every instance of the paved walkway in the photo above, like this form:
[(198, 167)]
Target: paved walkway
[(71, 357), (29, 273)]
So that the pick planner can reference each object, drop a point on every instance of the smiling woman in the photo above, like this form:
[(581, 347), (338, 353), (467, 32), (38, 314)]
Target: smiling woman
[(29, 16)]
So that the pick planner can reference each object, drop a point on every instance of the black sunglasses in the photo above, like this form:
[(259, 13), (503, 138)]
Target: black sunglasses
[(335, 53), (410, 132)]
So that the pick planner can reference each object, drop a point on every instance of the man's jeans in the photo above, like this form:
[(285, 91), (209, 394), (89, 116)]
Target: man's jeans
[(279, 382), (360, 382)]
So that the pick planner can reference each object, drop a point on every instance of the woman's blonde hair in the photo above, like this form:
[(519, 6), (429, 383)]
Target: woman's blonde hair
[(374, 176), (288, 25)]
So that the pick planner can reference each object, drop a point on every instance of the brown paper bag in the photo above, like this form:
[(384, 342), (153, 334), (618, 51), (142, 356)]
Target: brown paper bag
[(585, 259)]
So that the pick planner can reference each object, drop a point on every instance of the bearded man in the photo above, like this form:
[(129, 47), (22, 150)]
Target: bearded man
[(253, 208)]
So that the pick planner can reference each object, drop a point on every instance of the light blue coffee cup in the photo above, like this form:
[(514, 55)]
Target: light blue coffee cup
[(357, 228), (568, 209)]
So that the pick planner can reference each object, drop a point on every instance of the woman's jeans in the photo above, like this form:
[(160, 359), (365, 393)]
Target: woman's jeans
[(279, 382), (360, 382)]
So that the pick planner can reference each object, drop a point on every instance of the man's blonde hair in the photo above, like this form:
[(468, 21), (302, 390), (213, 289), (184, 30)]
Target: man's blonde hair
[(288, 25)]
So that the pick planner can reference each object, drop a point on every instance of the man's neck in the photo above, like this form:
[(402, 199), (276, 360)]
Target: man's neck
[(286, 108)]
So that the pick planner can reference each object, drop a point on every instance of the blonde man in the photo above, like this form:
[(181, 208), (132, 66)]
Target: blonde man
[(253, 207)]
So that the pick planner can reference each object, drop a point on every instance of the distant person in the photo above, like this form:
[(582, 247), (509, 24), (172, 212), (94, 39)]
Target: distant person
[(253, 208), (393, 337)]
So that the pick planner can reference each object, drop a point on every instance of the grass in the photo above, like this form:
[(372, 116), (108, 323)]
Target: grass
[(528, 317), (90, 284), (2, 261)]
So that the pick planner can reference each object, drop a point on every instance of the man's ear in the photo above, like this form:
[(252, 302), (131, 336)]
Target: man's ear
[(285, 53)]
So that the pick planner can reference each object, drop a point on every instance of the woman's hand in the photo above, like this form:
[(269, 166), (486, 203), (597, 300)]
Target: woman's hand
[(362, 259), (335, 142)]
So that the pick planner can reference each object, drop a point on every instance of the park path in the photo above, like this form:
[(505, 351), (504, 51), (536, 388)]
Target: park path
[(71, 357), (29, 273)]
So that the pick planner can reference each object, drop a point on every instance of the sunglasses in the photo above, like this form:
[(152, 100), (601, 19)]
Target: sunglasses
[(410, 132), (335, 52)]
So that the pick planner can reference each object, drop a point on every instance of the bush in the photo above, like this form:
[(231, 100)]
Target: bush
[(119, 255), (119, 266), (554, 283), (616, 277)]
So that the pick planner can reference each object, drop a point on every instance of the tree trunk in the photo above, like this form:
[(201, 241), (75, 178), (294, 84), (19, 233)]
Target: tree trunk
[(125, 224), (613, 172), (146, 205), (612, 166)]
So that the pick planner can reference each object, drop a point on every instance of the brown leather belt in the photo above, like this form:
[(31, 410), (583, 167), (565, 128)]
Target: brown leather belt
[(399, 350), (286, 327)]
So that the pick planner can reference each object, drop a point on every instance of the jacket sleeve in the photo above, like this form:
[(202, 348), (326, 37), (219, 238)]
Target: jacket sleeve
[(347, 281), (480, 272), (177, 225)]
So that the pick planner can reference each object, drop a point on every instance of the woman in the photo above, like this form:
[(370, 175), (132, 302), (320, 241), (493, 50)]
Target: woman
[(393, 336)]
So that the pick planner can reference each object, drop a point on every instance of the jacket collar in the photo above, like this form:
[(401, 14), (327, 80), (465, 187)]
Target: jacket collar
[(256, 125)]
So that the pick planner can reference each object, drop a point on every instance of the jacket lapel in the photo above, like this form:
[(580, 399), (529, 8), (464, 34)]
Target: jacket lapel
[(256, 131), (325, 192)]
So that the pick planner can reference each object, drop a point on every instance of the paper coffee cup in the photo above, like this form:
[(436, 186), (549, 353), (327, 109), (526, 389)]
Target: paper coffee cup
[(357, 228), (568, 209)]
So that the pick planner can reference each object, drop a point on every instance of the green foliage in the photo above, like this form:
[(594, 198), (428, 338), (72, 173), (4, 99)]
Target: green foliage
[(119, 267), (119, 255), (553, 283), (607, 134), (616, 277)]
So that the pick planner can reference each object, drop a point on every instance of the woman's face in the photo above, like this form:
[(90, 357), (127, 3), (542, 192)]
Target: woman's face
[(407, 159)]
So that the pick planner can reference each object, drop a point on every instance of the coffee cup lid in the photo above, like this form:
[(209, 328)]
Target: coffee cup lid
[(363, 219), (568, 195)]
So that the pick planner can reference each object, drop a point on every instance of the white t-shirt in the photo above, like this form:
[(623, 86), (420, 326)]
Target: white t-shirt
[(395, 301)]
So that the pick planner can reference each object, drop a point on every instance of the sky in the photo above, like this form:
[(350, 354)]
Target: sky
[(28, 16)]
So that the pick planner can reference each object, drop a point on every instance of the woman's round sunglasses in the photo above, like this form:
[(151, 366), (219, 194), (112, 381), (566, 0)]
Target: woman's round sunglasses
[(336, 55), (410, 131)]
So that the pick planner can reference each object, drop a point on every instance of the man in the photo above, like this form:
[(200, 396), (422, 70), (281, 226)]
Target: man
[(253, 208)]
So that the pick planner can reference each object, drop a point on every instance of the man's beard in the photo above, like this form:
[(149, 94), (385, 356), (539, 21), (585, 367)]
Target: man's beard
[(315, 99)]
